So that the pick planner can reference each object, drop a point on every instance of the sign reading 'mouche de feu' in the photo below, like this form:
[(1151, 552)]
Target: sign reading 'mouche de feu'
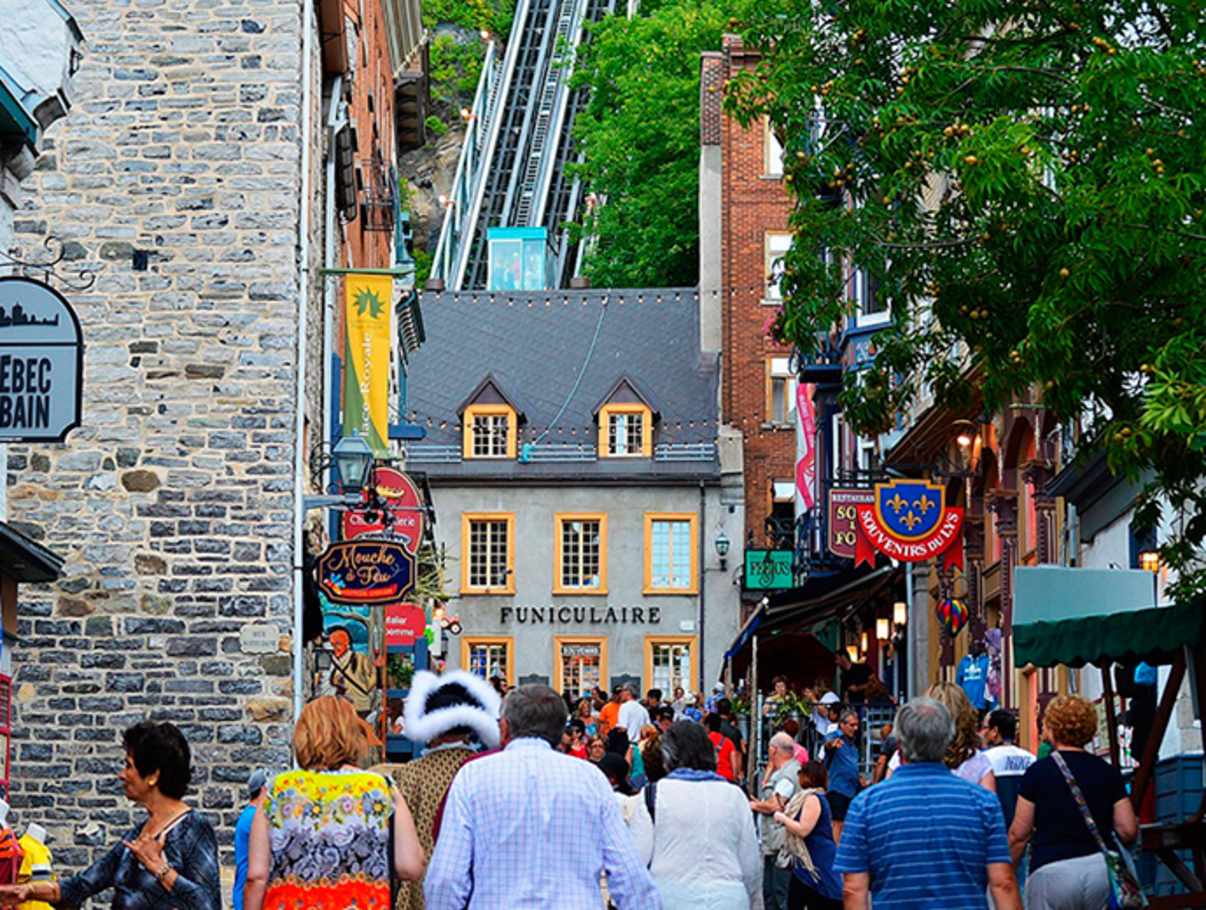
[(366, 572), (41, 363)]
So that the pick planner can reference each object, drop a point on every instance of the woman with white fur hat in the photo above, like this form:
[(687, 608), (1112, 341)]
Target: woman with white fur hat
[(452, 715)]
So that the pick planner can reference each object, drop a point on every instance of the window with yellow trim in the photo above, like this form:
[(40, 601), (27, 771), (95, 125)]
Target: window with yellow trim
[(580, 554), (670, 662), (625, 431), (488, 553), (489, 657), (671, 553), (489, 431), (579, 663)]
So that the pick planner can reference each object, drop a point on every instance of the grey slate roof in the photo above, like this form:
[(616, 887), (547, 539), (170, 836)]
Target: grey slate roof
[(534, 344)]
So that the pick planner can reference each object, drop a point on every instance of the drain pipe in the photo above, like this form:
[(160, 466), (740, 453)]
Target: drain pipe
[(303, 308), (703, 583)]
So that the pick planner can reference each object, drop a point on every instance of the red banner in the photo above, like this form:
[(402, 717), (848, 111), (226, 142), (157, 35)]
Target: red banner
[(404, 625), (401, 500), (945, 540), (806, 448)]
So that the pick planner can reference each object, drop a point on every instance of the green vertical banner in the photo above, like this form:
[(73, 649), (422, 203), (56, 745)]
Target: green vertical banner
[(367, 353)]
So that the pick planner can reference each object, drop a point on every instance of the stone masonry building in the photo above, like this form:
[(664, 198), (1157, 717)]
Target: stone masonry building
[(178, 178)]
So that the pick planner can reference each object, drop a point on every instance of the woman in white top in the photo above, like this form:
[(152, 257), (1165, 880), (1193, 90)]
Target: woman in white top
[(700, 843), (963, 756)]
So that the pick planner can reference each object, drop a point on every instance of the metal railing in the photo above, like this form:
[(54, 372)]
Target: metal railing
[(432, 453)]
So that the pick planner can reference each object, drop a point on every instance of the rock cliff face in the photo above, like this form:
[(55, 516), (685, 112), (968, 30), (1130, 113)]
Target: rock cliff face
[(429, 171)]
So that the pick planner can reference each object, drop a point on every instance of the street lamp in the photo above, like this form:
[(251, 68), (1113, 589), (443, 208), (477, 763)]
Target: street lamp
[(882, 632), (353, 460), (722, 544), (852, 653), (900, 613)]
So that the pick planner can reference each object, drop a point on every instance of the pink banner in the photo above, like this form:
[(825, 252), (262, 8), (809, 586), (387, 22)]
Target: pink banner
[(806, 453)]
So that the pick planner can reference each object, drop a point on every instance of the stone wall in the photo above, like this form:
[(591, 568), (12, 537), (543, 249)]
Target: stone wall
[(172, 503)]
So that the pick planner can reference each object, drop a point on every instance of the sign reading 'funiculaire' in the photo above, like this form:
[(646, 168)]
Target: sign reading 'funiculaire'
[(41, 363)]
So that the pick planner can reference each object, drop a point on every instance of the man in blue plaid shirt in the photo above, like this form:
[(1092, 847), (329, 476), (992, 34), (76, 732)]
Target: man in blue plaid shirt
[(532, 828)]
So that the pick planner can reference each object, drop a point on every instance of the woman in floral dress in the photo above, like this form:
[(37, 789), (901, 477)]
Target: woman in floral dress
[(322, 839)]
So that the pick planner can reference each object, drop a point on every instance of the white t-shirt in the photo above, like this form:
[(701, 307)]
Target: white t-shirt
[(633, 716), (1009, 761)]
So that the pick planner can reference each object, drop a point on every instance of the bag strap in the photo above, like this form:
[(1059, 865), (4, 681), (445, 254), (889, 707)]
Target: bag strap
[(650, 792), (1079, 797)]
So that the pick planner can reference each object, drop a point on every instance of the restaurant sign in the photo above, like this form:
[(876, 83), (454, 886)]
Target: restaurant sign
[(405, 624), (908, 520), (366, 572), (41, 363), (843, 513), (400, 504), (768, 570)]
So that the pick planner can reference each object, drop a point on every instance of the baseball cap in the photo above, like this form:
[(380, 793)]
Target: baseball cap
[(830, 698), (259, 779)]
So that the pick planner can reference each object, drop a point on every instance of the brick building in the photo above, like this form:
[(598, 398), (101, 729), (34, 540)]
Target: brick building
[(176, 503), (744, 209)]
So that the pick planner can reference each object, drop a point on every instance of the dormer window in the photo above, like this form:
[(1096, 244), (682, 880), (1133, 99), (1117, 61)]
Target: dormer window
[(625, 423), (489, 423)]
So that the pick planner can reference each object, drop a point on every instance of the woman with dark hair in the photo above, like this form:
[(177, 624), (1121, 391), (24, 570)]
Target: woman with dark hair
[(705, 854), (170, 860), (809, 846)]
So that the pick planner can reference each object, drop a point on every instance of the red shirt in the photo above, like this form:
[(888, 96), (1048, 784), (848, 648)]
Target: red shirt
[(579, 752), (724, 754)]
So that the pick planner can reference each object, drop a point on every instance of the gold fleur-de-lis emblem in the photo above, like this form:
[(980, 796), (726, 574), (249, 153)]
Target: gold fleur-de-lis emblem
[(910, 521), (897, 503), (924, 503)]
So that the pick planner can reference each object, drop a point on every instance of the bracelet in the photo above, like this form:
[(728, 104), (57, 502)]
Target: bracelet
[(164, 871)]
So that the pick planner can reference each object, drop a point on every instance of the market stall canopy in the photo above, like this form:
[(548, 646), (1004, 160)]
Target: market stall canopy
[(1082, 616), (821, 598)]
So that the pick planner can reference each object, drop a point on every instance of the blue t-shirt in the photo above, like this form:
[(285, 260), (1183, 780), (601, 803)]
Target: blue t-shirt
[(242, 839), (843, 764), (926, 838), (973, 677)]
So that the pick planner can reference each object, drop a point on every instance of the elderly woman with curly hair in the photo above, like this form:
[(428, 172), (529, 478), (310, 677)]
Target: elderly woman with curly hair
[(1067, 868), (963, 755)]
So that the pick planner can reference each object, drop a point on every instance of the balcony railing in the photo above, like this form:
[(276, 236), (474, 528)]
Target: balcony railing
[(544, 453)]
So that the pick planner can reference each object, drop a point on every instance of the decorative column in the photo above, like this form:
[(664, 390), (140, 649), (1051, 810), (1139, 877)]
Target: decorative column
[(1038, 475), (1005, 506)]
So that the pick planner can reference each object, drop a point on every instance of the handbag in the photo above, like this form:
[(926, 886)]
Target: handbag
[(1125, 890)]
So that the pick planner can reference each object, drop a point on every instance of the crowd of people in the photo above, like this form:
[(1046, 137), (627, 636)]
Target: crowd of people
[(530, 801)]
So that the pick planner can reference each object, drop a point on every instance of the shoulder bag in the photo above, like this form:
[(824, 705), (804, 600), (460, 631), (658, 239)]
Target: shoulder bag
[(1125, 890)]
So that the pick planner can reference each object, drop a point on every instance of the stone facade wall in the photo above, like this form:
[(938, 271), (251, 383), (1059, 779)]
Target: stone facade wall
[(172, 504), (752, 204)]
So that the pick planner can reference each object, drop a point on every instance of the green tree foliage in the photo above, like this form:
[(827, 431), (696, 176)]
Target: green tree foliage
[(640, 136), (1027, 179), (457, 47)]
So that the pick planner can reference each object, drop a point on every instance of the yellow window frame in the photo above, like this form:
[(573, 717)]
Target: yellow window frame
[(558, 520), (489, 410), (507, 641), (693, 520), (467, 519), (652, 640), (558, 663), (608, 411)]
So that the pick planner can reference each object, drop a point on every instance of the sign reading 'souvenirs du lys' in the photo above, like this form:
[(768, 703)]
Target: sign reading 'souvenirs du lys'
[(41, 363)]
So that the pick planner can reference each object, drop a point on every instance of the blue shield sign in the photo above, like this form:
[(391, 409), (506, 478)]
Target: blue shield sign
[(908, 509)]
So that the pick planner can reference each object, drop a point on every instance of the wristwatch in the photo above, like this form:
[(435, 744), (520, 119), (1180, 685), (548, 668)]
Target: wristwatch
[(163, 871)]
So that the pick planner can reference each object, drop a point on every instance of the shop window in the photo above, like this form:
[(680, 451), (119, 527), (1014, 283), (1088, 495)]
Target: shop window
[(772, 150), (489, 657), (489, 431), (775, 246), (580, 663), (781, 523), (670, 662), (780, 391), (625, 431), (671, 553), (488, 553), (580, 554)]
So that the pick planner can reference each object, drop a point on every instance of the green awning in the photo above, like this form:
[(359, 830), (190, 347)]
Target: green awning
[(1153, 635)]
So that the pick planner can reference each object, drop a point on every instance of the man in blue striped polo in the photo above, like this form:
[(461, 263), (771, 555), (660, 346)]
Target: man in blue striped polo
[(924, 838)]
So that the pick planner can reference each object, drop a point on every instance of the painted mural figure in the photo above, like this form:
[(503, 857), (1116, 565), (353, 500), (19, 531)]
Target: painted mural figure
[(353, 674)]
